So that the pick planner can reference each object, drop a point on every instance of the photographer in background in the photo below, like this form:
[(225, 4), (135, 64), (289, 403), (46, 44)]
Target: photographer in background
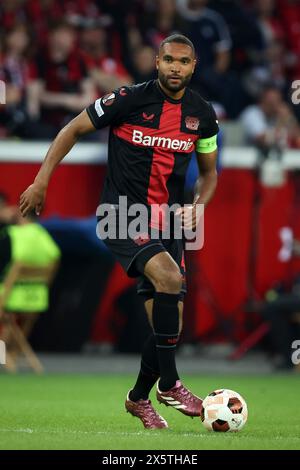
[(270, 124), (282, 310)]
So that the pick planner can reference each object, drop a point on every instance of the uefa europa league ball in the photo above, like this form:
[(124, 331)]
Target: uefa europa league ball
[(224, 410)]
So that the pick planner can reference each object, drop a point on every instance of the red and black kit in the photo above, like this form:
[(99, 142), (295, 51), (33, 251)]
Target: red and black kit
[(152, 137)]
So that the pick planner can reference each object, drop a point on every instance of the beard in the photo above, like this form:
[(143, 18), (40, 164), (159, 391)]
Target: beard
[(182, 82)]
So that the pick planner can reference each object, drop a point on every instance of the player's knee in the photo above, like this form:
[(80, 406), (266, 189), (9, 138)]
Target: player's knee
[(169, 282)]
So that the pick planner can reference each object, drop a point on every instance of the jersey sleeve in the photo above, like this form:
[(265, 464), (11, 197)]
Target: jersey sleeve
[(111, 108), (208, 140)]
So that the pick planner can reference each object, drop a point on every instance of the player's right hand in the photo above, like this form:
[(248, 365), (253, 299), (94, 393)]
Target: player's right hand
[(32, 199)]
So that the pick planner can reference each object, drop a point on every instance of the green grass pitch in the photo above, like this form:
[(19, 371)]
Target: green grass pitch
[(87, 412)]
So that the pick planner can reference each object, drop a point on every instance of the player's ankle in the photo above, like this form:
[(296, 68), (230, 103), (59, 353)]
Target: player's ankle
[(134, 396), (167, 384)]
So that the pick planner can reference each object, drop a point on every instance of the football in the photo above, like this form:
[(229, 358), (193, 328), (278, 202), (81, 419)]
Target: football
[(224, 410)]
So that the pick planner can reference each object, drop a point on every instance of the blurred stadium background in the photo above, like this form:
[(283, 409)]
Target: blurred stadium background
[(56, 57)]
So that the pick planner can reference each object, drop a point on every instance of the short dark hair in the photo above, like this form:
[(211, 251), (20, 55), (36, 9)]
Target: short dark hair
[(179, 38), (56, 25)]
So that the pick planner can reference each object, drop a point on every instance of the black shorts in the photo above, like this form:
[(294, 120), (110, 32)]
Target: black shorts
[(134, 254)]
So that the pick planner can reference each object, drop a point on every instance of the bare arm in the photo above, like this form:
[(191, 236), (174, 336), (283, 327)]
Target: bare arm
[(106, 81), (34, 91), (222, 61), (285, 125), (207, 182), (34, 196), (204, 189), (13, 94), (70, 101)]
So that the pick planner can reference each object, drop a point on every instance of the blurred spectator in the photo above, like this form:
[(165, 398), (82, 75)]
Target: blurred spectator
[(60, 88), (247, 41), (275, 60), (211, 38), (270, 123), (289, 12), (15, 72), (159, 20), (45, 12), (248, 46), (41, 14), (143, 68), (106, 72), (269, 23), (166, 22), (80, 10), (208, 32), (12, 12), (241, 47)]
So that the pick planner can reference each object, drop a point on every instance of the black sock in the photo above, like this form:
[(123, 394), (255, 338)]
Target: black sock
[(166, 329), (149, 372)]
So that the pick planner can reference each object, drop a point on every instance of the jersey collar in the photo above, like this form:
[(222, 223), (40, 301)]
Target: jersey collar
[(166, 97)]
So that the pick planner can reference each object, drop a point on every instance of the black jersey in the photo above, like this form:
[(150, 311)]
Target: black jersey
[(152, 137)]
